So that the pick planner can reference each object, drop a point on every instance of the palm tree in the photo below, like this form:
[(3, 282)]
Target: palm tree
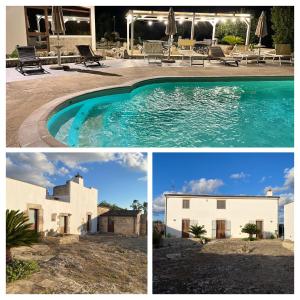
[(197, 230), (18, 232)]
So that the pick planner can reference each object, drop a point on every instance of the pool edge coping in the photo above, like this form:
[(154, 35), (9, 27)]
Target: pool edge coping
[(33, 132)]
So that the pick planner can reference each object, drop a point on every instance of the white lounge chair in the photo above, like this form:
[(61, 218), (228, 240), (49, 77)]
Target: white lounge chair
[(153, 50)]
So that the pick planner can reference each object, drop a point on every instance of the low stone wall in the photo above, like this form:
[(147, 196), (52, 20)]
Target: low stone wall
[(48, 60), (288, 245), (69, 42)]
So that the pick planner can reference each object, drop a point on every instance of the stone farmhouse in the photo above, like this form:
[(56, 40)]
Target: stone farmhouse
[(222, 216), (71, 209)]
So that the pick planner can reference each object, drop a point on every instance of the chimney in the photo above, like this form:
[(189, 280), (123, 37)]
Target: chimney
[(269, 193), (78, 179)]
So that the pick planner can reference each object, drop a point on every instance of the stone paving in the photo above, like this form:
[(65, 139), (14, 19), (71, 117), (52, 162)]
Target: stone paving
[(24, 94), (229, 266)]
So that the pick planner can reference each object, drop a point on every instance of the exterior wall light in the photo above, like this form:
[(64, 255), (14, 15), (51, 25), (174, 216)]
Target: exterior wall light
[(150, 23)]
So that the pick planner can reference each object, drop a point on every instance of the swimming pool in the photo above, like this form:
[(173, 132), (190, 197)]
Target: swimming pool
[(182, 113)]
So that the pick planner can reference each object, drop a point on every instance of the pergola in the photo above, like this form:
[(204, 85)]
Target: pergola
[(162, 16)]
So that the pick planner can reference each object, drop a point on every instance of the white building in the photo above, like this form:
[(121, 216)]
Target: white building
[(71, 209), (289, 221), (222, 216), (31, 25)]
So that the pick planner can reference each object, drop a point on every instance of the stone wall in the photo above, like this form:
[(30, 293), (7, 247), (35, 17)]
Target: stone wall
[(69, 43), (143, 224), (122, 225)]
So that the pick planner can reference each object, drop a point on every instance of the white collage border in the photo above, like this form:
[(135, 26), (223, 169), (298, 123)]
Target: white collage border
[(147, 150)]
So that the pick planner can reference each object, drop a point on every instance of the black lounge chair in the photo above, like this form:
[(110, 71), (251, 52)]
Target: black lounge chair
[(88, 56), (216, 52), (28, 59)]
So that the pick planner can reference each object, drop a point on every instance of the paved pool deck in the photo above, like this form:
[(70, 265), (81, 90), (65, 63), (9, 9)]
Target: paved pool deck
[(25, 94)]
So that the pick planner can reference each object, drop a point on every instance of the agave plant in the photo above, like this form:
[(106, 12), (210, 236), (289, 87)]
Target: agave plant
[(197, 230), (18, 232)]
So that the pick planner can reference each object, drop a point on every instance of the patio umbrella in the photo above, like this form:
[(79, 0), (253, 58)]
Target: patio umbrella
[(171, 29), (261, 29), (58, 27)]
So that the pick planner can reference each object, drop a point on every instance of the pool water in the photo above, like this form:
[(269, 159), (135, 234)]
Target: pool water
[(183, 114)]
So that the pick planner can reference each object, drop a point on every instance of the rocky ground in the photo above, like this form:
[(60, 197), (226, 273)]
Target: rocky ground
[(96, 264), (223, 267)]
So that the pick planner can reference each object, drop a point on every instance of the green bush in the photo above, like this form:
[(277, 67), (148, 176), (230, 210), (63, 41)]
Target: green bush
[(233, 40), (14, 54), (272, 236), (251, 229), (282, 18), (157, 238), (18, 269)]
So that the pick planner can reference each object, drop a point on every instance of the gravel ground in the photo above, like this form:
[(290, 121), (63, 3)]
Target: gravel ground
[(183, 266), (101, 264)]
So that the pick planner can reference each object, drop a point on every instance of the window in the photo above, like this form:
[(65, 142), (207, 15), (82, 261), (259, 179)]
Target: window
[(185, 203), (221, 204), (53, 217)]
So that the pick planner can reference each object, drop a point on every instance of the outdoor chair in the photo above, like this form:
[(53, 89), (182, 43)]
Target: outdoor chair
[(186, 48), (244, 52), (28, 60), (88, 56), (153, 50), (282, 52), (216, 53)]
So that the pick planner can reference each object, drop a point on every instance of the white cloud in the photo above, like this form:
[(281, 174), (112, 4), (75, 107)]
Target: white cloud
[(240, 175), (144, 178), (158, 205), (202, 186), (37, 167), (136, 161), (288, 184), (30, 167), (286, 198), (286, 191)]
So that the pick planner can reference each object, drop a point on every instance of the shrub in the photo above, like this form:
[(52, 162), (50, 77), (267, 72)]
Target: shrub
[(233, 40), (197, 230), (18, 232), (283, 24), (18, 269), (249, 239), (157, 238), (250, 229), (272, 236)]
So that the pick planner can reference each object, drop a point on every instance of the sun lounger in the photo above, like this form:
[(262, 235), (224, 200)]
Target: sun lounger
[(216, 53), (88, 56), (153, 50), (282, 53), (243, 52), (28, 60)]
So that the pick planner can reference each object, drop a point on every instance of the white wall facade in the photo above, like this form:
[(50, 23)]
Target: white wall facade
[(289, 221), (239, 211), (15, 28), (80, 202)]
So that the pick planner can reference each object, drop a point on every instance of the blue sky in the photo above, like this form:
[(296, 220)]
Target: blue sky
[(222, 173), (119, 177)]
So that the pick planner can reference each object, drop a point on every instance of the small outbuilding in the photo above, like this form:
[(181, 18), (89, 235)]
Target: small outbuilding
[(123, 221)]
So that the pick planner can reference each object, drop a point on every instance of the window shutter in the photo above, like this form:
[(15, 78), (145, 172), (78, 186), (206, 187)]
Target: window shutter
[(214, 229), (227, 228)]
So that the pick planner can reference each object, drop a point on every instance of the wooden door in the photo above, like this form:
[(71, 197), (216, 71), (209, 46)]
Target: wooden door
[(185, 228), (33, 218), (65, 224), (88, 224), (220, 234), (110, 225), (259, 226)]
